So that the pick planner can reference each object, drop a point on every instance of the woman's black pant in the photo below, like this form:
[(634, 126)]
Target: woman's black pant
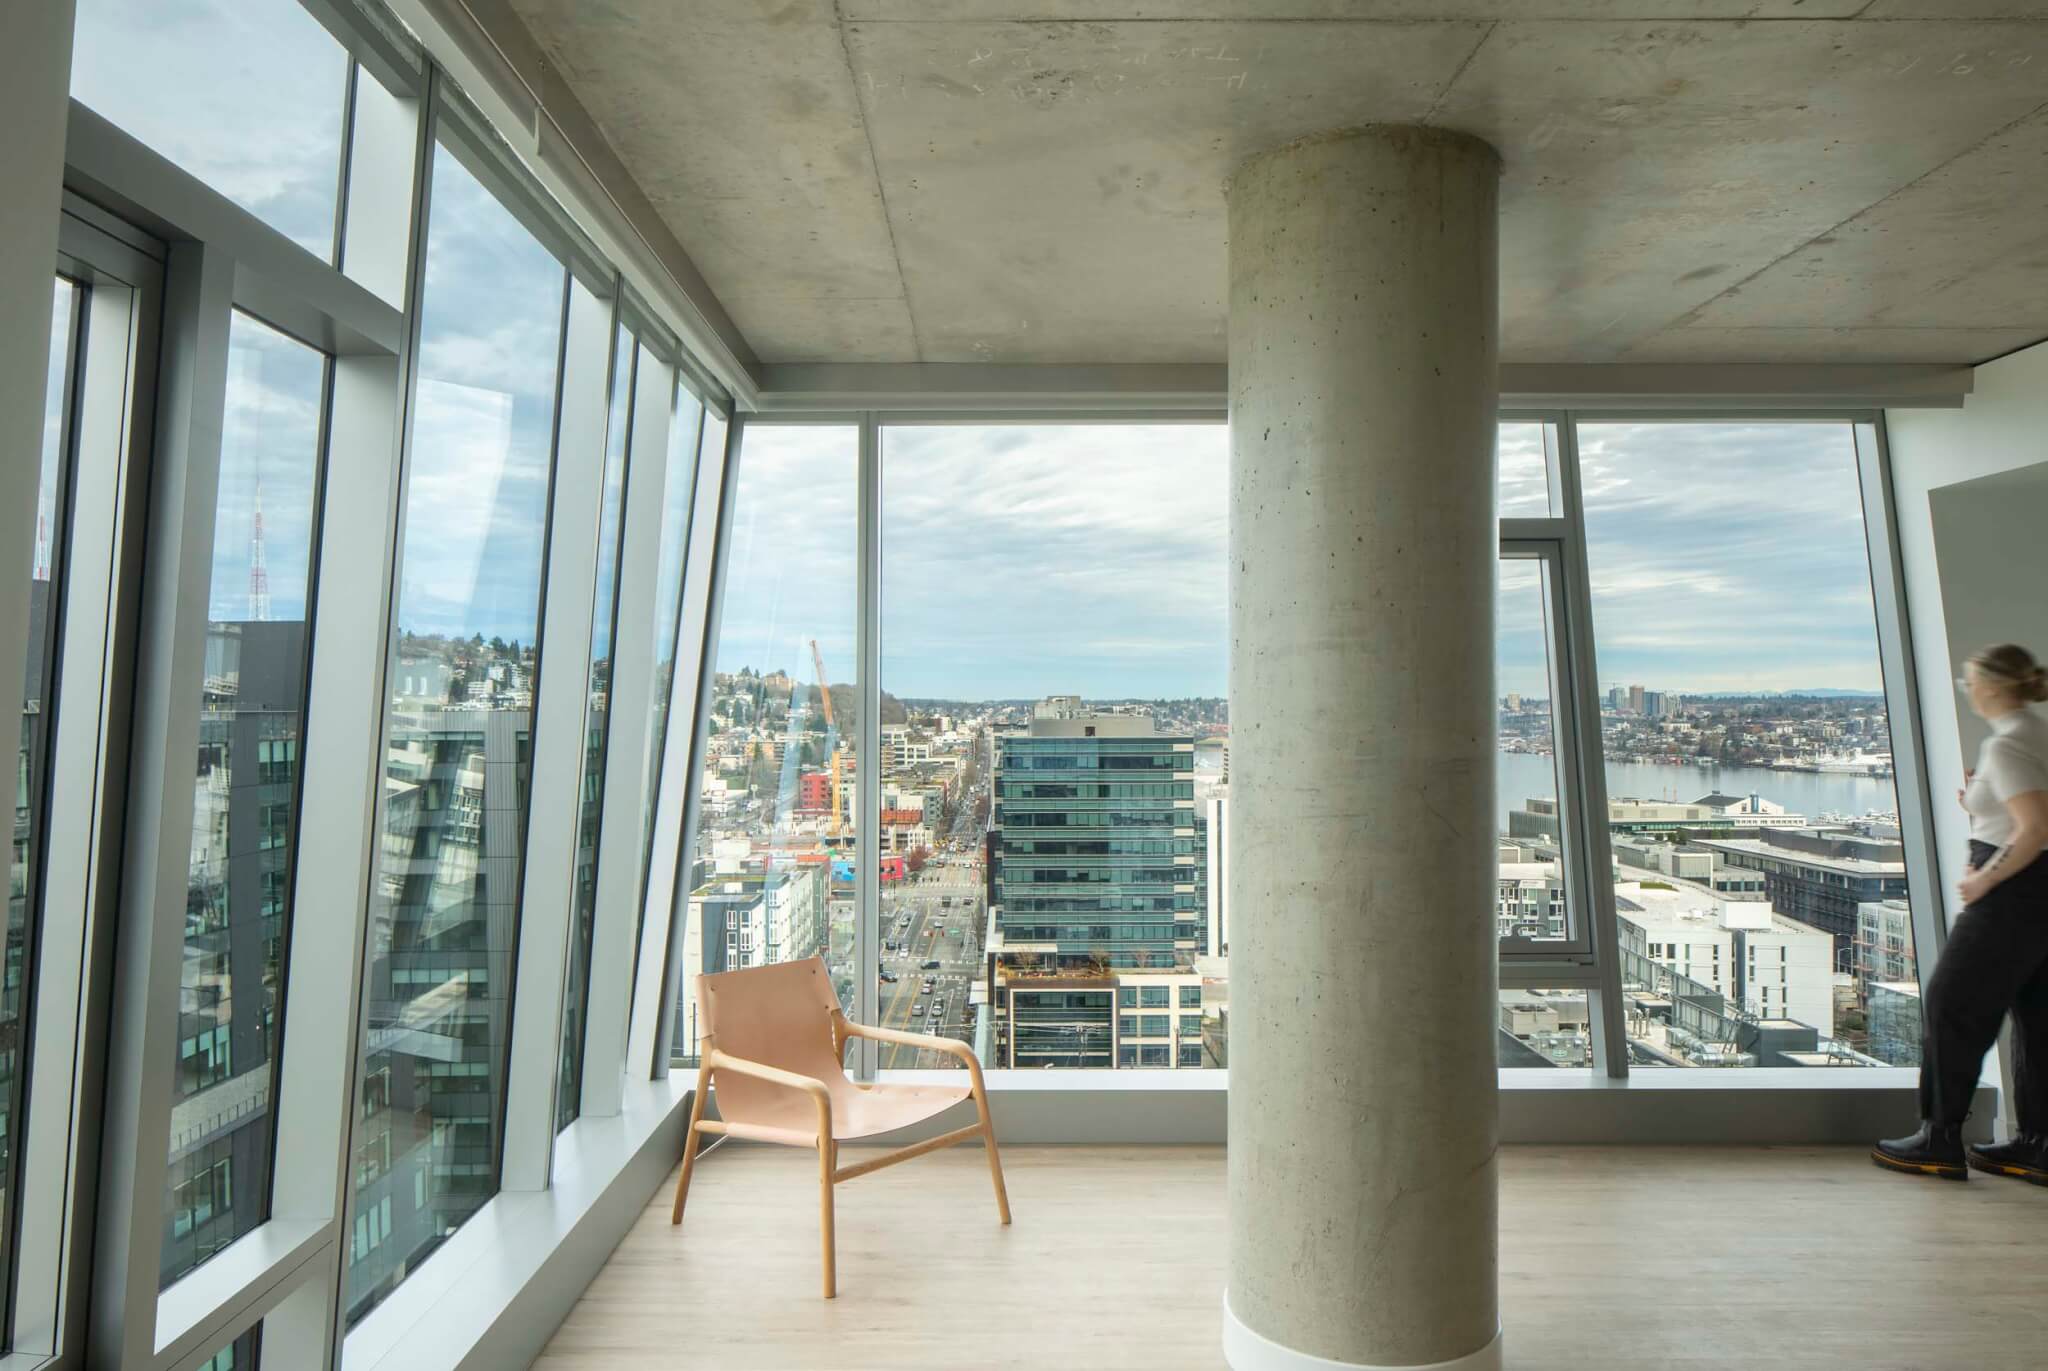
[(1996, 959)]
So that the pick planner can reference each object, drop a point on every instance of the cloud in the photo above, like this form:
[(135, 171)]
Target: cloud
[(270, 444), (197, 81), (1024, 560)]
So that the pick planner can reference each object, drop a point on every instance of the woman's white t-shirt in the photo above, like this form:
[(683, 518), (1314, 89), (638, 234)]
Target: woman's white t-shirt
[(2013, 761)]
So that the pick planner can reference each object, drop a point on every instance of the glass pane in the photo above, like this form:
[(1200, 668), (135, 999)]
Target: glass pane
[(590, 794), (688, 421), (679, 492), (38, 716), (1524, 461), (1054, 668), (247, 97), (239, 1355), (1545, 1028), (1748, 750), (776, 837), (445, 917), (245, 797), (1531, 906)]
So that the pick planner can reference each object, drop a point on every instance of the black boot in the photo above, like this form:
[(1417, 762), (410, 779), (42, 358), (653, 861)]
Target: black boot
[(2025, 1157), (1936, 1150)]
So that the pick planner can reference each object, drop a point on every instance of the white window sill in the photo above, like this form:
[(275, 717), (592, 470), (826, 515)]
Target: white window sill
[(492, 1294)]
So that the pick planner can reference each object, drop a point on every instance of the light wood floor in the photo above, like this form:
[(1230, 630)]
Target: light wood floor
[(1720, 1258)]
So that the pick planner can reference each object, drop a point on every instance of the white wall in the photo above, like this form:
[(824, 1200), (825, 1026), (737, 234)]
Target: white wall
[(2003, 428)]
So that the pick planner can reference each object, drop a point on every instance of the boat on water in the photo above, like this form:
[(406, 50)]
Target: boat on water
[(1877, 765)]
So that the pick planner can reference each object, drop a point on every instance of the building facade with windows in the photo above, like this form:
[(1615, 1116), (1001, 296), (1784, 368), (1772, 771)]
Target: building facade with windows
[(1096, 850)]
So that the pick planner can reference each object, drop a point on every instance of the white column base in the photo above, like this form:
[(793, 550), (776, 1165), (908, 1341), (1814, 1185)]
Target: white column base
[(1246, 1350)]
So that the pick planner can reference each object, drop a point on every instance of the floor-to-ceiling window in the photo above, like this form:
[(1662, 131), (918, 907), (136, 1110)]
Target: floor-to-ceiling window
[(1760, 865), (597, 712), (773, 878), (245, 795), (1055, 757), (463, 674)]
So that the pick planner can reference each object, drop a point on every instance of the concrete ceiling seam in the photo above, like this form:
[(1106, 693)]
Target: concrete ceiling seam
[(1830, 233), (881, 186)]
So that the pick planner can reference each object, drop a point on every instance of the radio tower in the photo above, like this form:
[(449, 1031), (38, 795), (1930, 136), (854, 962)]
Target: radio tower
[(259, 574)]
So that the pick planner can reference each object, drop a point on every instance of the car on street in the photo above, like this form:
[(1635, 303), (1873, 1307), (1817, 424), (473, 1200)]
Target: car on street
[(932, 965), (889, 978), (917, 1010)]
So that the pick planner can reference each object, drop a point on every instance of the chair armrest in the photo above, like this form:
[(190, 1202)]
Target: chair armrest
[(952, 1046), (716, 1061)]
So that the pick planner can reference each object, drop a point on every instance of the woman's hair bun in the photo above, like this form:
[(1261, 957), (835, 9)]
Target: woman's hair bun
[(2013, 664)]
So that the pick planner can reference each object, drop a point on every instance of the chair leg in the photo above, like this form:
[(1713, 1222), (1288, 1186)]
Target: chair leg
[(995, 1160), (825, 1151), (690, 1144)]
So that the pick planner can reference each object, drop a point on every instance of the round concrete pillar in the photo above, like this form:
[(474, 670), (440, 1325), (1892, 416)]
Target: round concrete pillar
[(1364, 310)]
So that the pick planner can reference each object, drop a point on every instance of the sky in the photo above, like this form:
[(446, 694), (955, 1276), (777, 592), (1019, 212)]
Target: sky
[(194, 78), (1090, 559)]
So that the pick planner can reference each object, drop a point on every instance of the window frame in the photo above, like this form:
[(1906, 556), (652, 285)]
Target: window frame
[(1590, 959)]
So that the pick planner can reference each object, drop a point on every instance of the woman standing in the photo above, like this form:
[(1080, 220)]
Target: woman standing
[(1996, 957)]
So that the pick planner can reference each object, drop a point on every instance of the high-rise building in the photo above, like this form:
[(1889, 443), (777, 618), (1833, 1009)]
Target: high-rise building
[(234, 918), (1635, 699), (1097, 852)]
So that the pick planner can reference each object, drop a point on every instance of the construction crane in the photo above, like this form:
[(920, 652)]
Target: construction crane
[(831, 731)]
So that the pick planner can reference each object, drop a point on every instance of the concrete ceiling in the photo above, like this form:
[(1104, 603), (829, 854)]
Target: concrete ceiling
[(1686, 180)]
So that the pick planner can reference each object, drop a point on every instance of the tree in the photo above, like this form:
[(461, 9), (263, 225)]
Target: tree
[(914, 860)]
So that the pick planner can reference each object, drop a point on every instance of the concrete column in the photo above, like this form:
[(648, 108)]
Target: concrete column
[(1363, 1123)]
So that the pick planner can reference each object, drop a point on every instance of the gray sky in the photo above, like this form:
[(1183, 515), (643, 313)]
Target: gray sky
[(196, 78), (1024, 561)]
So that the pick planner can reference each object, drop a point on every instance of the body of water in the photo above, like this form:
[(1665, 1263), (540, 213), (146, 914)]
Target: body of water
[(1523, 777)]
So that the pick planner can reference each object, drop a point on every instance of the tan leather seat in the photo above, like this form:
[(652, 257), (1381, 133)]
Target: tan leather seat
[(774, 1051), (781, 1016)]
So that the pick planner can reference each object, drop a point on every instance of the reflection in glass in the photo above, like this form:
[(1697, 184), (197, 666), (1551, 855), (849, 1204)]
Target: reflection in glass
[(445, 905), (245, 798), (1531, 892), (688, 421), (590, 792), (679, 492), (1055, 742), (776, 838), (195, 81), (1525, 453), (1760, 875), (239, 1355), (38, 716)]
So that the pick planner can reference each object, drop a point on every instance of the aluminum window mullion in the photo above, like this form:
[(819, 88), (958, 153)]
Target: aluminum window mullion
[(412, 274), (169, 673), (1896, 660), (628, 724), (1596, 849), (548, 883), (867, 867)]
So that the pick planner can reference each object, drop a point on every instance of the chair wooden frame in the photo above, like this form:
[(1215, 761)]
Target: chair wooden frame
[(830, 1173)]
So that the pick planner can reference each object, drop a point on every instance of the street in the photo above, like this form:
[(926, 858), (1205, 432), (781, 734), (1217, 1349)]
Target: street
[(913, 912)]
